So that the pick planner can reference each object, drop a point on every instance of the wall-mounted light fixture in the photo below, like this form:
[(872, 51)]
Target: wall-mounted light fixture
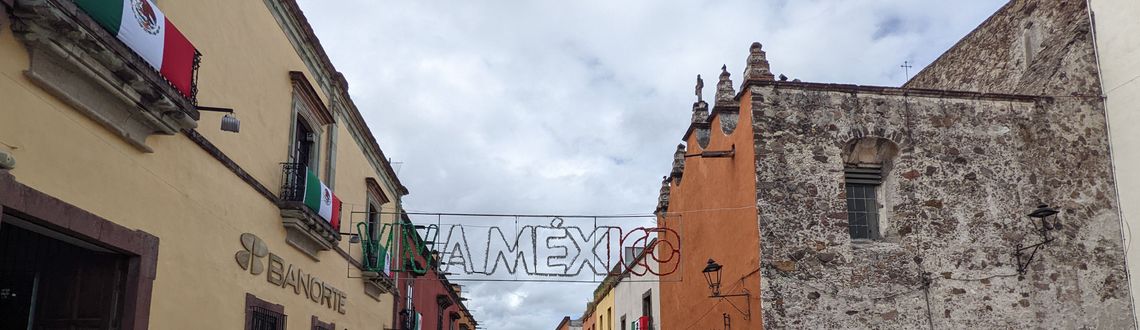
[(229, 122), (1041, 220), (712, 276)]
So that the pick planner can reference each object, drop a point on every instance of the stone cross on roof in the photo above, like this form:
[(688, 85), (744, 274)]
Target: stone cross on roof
[(700, 86)]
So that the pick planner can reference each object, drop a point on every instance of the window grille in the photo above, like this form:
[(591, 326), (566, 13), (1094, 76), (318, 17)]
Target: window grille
[(263, 315), (862, 200), (264, 319)]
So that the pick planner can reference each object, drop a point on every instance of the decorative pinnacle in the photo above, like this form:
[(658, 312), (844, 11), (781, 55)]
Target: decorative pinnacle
[(678, 161), (757, 68), (725, 95), (700, 112)]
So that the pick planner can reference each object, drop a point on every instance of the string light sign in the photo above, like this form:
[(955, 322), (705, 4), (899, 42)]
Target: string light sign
[(522, 248)]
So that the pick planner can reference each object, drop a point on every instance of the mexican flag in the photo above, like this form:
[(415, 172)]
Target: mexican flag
[(143, 28), (320, 198)]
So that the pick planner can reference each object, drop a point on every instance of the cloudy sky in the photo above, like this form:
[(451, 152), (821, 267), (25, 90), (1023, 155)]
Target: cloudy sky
[(559, 107)]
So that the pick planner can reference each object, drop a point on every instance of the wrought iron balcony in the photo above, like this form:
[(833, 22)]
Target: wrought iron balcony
[(305, 229), (293, 182)]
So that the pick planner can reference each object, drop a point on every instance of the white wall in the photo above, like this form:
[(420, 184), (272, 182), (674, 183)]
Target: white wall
[(627, 298), (1117, 24)]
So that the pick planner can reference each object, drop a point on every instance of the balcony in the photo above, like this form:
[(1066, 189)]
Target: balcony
[(305, 229), (377, 269), (83, 65)]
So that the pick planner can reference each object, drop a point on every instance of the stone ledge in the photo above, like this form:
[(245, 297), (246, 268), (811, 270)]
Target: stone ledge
[(306, 231), (376, 284)]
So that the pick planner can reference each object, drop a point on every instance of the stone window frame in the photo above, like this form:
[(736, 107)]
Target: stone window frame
[(305, 230), (307, 107), (252, 302), (376, 283), (139, 247), (318, 325)]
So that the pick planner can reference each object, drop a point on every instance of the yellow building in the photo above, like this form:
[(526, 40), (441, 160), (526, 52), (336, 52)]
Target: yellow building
[(117, 188), (604, 302)]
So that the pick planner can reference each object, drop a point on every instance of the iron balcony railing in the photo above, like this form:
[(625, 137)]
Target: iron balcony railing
[(293, 177)]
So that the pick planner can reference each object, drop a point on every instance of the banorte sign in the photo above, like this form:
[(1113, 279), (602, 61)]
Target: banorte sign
[(287, 275)]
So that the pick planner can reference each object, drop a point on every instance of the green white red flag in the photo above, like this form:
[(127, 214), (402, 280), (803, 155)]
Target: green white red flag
[(144, 29), (321, 199)]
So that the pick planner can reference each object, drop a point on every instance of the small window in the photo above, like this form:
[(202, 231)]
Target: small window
[(263, 315), (862, 201), (866, 162), (623, 322)]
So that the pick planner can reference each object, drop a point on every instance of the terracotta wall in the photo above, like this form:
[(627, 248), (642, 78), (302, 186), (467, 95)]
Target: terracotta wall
[(713, 209)]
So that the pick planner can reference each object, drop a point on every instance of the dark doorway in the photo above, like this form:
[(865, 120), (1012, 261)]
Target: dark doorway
[(52, 281)]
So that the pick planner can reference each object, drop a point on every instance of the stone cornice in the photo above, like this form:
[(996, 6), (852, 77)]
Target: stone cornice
[(849, 88)]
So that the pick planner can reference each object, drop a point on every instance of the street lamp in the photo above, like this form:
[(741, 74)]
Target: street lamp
[(1040, 219), (712, 276)]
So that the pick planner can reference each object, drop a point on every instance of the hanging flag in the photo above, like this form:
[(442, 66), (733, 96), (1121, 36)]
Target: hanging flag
[(144, 29), (320, 198)]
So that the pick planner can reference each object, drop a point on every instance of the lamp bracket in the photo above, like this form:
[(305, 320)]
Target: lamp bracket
[(215, 109), (1041, 215), (747, 312)]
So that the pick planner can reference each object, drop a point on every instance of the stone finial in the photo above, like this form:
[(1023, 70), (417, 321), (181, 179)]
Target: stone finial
[(758, 68), (725, 95), (699, 90), (678, 161), (663, 198)]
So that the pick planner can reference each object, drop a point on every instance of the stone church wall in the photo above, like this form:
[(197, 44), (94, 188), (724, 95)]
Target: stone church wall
[(968, 168)]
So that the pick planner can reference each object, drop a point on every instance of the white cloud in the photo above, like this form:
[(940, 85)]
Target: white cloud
[(576, 106)]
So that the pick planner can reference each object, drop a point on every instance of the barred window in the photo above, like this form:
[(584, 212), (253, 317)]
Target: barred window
[(862, 202), (263, 315), (866, 162)]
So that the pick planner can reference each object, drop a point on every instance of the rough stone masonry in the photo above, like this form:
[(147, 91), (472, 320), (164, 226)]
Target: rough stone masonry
[(960, 171)]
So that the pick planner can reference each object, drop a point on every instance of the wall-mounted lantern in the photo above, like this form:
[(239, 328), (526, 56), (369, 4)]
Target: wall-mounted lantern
[(712, 276), (1044, 220), (229, 122)]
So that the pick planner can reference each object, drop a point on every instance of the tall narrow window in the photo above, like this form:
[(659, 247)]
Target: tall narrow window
[(862, 202), (647, 308), (866, 162), (311, 119)]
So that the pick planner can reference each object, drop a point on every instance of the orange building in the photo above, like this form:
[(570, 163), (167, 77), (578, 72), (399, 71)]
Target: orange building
[(710, 201)]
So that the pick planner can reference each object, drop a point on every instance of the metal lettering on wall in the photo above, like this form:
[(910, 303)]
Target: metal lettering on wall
[(287, 275), (545, 251)]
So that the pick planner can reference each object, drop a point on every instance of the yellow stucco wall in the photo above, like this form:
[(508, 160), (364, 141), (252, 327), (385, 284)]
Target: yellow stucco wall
[(605, 311), (190, 201), (1118, 50)]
